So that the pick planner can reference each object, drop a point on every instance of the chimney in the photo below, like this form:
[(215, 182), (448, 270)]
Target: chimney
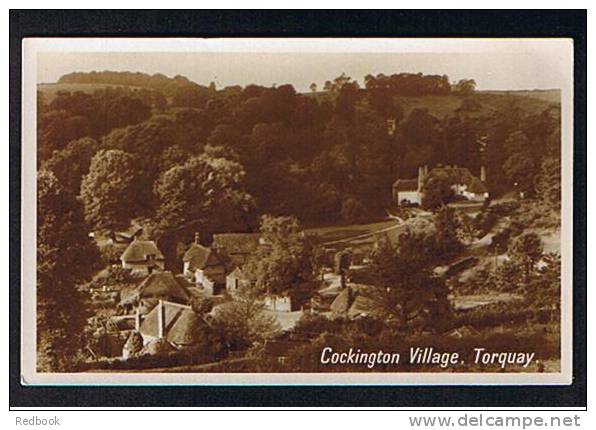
[(137, 320), (422, 173), (197, 238), (160, 320), (483, 173)]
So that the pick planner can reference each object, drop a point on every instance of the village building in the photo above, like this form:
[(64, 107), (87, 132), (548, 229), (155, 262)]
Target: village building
[(464, 184), (281, 303), (142, 257), (237, 248), (157, 286), (350, 303), (206, 267), (175, 323), (236, 280), (126, 236)]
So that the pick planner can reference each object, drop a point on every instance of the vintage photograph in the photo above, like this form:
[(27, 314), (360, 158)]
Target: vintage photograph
[(380, 211)]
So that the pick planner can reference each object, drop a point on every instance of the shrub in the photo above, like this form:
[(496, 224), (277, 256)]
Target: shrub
[(485, 221)]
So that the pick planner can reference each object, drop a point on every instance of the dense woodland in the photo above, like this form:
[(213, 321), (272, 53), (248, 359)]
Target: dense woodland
[(183, 157), (321, 156)]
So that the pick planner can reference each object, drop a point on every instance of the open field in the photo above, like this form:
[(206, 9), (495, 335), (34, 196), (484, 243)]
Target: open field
[(551, 96), (349, 233), (533, 101), (489, 102)]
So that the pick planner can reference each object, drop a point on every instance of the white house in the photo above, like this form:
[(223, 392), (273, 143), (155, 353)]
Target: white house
[(463, 184)]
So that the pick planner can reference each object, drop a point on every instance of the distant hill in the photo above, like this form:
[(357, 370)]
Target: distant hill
[(486, 102), (156, 81), (533, 101), (552, 96), (50, 90), (480, 103)]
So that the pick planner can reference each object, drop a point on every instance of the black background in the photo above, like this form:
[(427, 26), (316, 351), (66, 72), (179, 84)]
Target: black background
[(378, 23)]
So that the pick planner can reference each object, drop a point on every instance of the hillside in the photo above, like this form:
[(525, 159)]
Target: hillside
[(551, 96), (50, 90), (489, 101)]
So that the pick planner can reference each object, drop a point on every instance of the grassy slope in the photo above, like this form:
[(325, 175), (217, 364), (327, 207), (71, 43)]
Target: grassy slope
[(441, 106)]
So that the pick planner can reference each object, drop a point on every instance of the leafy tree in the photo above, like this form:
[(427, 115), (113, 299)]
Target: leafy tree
[(243, 321), (526, 250), (520, 167), (70, 164), (420, 140), (65, 258), (436, 192), (339, 82), (204, 193), (548, 292), (464, 87), (446, 238), (406, 289), (345, 105), (352, 210), (286, 262), (548, 181), (410, 84), (313, 87), (202, 305), (461, 137), (381, 100), (71, 116), (509, 277), (56, 128), (500, 241), (157, 144), (108, 191)]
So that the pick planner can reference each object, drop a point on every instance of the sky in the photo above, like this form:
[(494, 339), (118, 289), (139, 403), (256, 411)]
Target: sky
[(492, 69)]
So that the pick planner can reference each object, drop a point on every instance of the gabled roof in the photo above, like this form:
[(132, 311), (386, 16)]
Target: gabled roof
[(406, 185), (477, 186), (350, 303), (343, 302), (200, 257), (158, 285), (238, 273), (138, 250), (130, 232), (182, 326)]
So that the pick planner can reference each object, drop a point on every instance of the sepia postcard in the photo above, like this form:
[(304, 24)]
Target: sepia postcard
[(297, 211)]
